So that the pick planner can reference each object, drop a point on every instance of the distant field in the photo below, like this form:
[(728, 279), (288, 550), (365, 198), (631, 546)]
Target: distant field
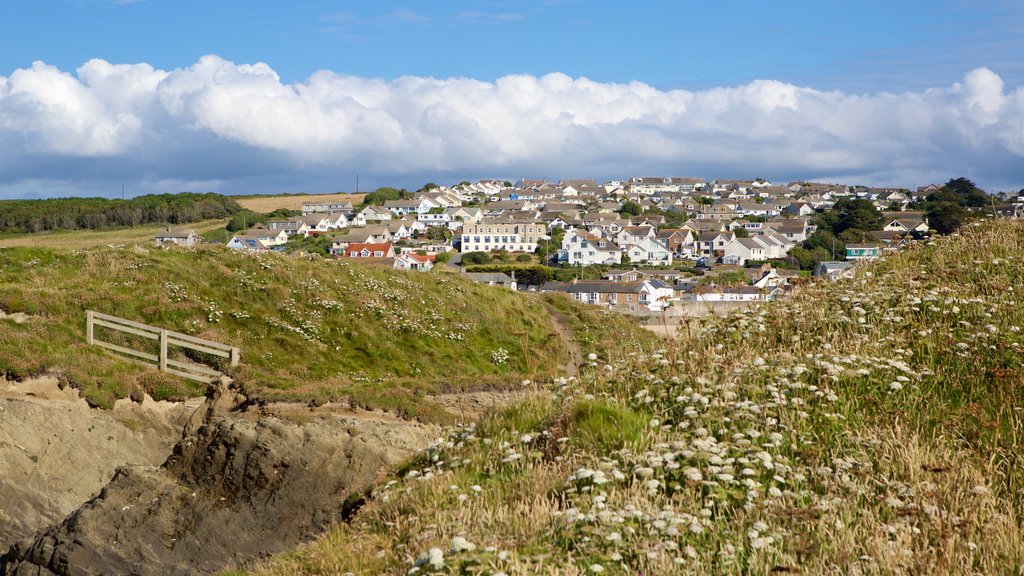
[(79, 239), (271, 203)]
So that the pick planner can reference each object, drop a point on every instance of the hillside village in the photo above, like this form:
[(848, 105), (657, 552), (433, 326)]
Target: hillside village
[(654, 241)]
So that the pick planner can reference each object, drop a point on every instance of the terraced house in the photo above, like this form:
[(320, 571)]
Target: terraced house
[(498, 234)]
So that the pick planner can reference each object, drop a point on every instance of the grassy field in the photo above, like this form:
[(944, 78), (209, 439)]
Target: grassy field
[(309, 330), (872, 426), (83, 239), (264, 204)]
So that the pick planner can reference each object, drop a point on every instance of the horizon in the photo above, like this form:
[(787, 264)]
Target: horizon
[(100, 94)]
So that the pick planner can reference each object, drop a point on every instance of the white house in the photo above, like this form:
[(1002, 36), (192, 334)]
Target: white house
[(371, 214), (579, 247), (650, 251)]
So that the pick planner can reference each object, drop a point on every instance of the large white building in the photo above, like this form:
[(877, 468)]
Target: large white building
[(497, 234)]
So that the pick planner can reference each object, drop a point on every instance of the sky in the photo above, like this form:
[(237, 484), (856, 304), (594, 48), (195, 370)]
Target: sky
[(302, 96)]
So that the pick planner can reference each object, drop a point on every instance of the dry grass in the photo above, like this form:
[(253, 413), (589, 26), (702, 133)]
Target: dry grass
[(264, 204), (84, 239)]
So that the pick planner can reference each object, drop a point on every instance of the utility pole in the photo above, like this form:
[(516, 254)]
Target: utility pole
[(357, 183), (122, 191)]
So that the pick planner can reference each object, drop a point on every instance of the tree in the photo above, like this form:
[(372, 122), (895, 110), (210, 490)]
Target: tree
[(630, 208), (429, 186), (741, 233), (442, 257), (381, 195), (859, 213), (945, 217), (437, 233), (507, 184)]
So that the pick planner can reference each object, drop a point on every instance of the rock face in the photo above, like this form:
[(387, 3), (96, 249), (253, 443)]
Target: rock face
[(56, 452), (235, 489)]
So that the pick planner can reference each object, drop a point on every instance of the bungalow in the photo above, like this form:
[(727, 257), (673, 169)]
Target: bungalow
[(240, 242), (906, 225), (413, 261), (646, 295), (313, 207), (403, 207), (863, 251), (492, 279), (583, 248), (268, 237), (732, 294), (180, 237), (833, 271), (361, 250), (798, 209), (291, 227)]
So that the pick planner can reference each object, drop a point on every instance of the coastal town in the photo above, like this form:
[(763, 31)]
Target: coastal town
[(637, 246)]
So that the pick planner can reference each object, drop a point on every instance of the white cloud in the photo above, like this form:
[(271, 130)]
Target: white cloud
[(237, 125)]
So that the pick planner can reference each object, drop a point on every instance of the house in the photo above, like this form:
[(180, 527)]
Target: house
[(906, 225), (369, 234), (633, 234), (798, 209), (180, 237), (679, 241), (371, 214), (318, 223), (361, 250), (492, 279), (266, 236), (327, 207), (291, 227), (863, 251), (650, 251), (646, 295), (833, 271), (583, 248), (413, 261), (414, 206), (712, 244), (500, 234), (240, 242), (732, 294)]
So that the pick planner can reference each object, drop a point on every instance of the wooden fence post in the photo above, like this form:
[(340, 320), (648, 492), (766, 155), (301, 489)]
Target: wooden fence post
[(89, 327), (163, 350), (234, 357)]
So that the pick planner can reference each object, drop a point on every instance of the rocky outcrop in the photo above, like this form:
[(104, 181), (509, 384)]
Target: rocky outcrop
[(236, 488), (56, 453)]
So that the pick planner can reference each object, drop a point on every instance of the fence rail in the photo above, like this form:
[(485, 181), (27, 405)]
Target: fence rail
[(166, 339)]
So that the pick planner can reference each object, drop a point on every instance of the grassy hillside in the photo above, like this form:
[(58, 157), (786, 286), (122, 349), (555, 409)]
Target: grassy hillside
[(873, 426), (308, 330)]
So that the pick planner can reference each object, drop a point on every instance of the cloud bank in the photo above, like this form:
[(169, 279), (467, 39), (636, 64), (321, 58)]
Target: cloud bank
[(228, 127)]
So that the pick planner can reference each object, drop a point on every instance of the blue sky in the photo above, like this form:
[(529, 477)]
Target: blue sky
[(690, 53)]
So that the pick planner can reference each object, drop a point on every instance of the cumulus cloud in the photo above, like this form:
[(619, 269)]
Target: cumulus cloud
[(239, 127)]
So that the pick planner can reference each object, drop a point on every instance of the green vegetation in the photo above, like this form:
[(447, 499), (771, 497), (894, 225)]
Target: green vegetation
[(869, 426), (245, 219), (98, 213), (473, 258), (381, 195), (534, 275), (308, 330)]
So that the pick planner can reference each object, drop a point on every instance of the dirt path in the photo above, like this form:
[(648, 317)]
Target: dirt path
[(561, 325)]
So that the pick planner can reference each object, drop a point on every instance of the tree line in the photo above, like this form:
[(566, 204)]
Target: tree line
[(95, 213)]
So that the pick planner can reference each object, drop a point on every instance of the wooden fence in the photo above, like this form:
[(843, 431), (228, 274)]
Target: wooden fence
[(165, 338)]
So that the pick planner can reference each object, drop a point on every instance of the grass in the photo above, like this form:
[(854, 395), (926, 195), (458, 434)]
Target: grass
[(84, 239), (309, 330), (872, 426)]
